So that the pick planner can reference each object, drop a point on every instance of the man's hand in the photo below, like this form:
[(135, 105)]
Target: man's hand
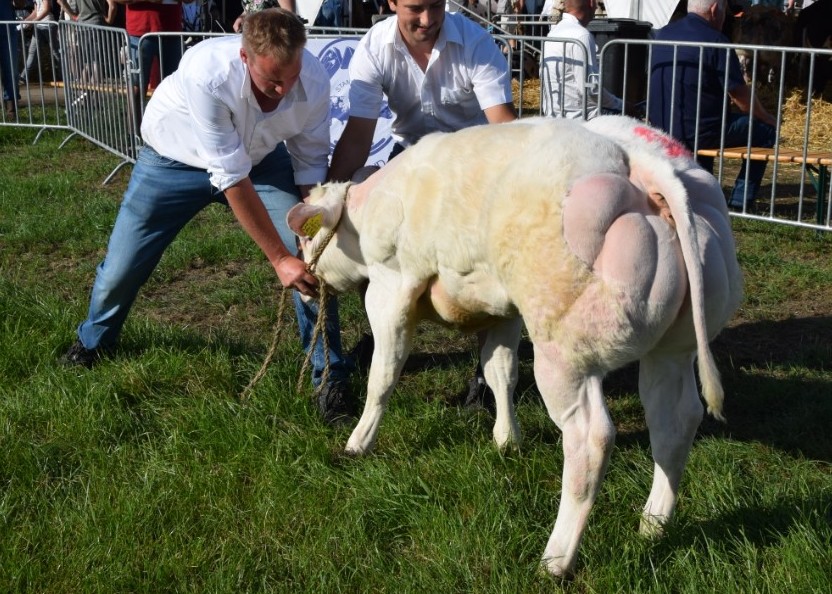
[(293, 275)]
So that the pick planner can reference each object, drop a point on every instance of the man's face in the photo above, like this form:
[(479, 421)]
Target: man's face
[(271, 78), (419, 20)]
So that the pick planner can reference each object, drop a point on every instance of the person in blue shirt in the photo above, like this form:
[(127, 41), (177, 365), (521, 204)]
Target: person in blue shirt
[(692, 111)]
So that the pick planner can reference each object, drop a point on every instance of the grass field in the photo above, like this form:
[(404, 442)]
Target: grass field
[(148, 474)]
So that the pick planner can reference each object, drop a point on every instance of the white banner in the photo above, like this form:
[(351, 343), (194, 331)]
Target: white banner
[(335, 54)]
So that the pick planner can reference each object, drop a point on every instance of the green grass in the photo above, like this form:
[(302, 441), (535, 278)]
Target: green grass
[(148, 474)]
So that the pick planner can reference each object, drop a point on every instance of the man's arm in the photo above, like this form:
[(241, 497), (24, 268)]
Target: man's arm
[(352, 149), (67, 8), (741, 96), (498, 114), (112, 12), (252, 215)]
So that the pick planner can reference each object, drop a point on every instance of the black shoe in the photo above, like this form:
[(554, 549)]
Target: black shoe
[(479, 396), (337, 404), (362, 353), (79, 355)]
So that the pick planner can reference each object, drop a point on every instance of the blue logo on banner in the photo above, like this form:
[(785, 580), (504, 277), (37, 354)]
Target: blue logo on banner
[(335, 57)]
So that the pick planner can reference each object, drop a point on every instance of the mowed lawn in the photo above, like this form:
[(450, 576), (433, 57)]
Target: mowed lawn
[(150, 474)]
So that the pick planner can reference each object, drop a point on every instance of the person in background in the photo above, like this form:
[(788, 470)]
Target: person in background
[(694, 112), (42, 34), (252, 6), (552, 12), (91, 12), (566, 68), (440, 72), (243, 122), (9, 43), (89, 61), (331, 14), (152, 16)]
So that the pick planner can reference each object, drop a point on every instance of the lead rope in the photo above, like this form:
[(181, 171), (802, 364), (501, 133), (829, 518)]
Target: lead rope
[(320, 324), (278, 329)]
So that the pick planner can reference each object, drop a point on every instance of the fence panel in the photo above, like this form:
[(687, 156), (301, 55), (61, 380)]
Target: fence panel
[(94, 88), (30, 74), (796, 188), (99, 99)]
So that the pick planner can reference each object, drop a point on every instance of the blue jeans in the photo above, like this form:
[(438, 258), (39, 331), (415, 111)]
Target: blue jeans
[(167, 48), (9, 43), (736, 134), (162, 196)]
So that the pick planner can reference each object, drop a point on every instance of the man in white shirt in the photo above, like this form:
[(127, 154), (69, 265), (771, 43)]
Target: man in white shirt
[(567, 69), (243, 121), (441, 72)]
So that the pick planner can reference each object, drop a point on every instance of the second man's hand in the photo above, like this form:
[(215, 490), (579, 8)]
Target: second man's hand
[(293, 274)]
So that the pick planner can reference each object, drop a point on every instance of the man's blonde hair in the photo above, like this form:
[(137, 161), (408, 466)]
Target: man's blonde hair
[(274, 32)]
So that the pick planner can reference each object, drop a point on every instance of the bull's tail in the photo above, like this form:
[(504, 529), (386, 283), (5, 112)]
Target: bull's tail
[(663, 185)]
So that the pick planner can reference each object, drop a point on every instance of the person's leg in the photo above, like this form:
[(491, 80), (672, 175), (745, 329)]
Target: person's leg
[(8, 66), (162, 196), (143, 52), (762, 135), (31, 56), (171, 54), (56, 68), (273, 178)]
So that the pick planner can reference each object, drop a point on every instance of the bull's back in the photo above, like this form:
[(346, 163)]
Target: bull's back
[(482, 222)]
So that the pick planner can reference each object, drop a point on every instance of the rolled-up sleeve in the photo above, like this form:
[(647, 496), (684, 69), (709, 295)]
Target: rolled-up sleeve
[(490, 77), (366, 93)]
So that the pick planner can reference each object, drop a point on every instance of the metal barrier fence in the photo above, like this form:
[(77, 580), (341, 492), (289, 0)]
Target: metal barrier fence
[(101, 97), (799, 154), (30, 75)]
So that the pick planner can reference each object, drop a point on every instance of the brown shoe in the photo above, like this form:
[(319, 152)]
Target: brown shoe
[(11, 112)]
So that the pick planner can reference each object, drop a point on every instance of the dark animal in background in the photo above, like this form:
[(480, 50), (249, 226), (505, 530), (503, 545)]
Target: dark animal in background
[(814, 30), (763, 25)]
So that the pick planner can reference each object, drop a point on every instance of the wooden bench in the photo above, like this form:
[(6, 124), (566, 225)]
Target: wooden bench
[(817, 164)]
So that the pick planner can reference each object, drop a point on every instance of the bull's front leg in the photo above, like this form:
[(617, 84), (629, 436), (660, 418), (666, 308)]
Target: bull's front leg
[(499, 363), (391, 306)]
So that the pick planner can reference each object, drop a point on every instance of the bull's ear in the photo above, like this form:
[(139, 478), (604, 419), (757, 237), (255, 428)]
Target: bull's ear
[(305, 219)]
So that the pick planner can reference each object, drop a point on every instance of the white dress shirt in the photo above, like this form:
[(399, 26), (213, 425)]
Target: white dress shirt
[(566, 70), (205, 115), (466, 74)]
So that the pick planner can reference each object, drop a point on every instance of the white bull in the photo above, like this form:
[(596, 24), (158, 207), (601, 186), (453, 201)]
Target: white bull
[(590, 239)]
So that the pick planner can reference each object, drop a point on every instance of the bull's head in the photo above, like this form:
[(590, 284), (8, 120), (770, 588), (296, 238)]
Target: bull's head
[(329, 237)]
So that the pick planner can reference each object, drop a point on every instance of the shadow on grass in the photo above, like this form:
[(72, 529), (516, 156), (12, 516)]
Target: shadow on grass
[(761, 525), (768, 372), (774, 374)]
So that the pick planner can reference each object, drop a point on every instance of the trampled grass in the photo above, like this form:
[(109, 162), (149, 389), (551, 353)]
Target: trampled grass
[(148, 474)]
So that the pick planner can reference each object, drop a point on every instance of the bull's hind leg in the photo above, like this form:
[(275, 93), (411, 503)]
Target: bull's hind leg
[(390, 303), (667, 387), (499, 357), (576, 404)]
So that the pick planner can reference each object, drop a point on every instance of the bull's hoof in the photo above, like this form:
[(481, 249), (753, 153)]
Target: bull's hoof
[(356, 451), (651, 527), (551, 568)]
